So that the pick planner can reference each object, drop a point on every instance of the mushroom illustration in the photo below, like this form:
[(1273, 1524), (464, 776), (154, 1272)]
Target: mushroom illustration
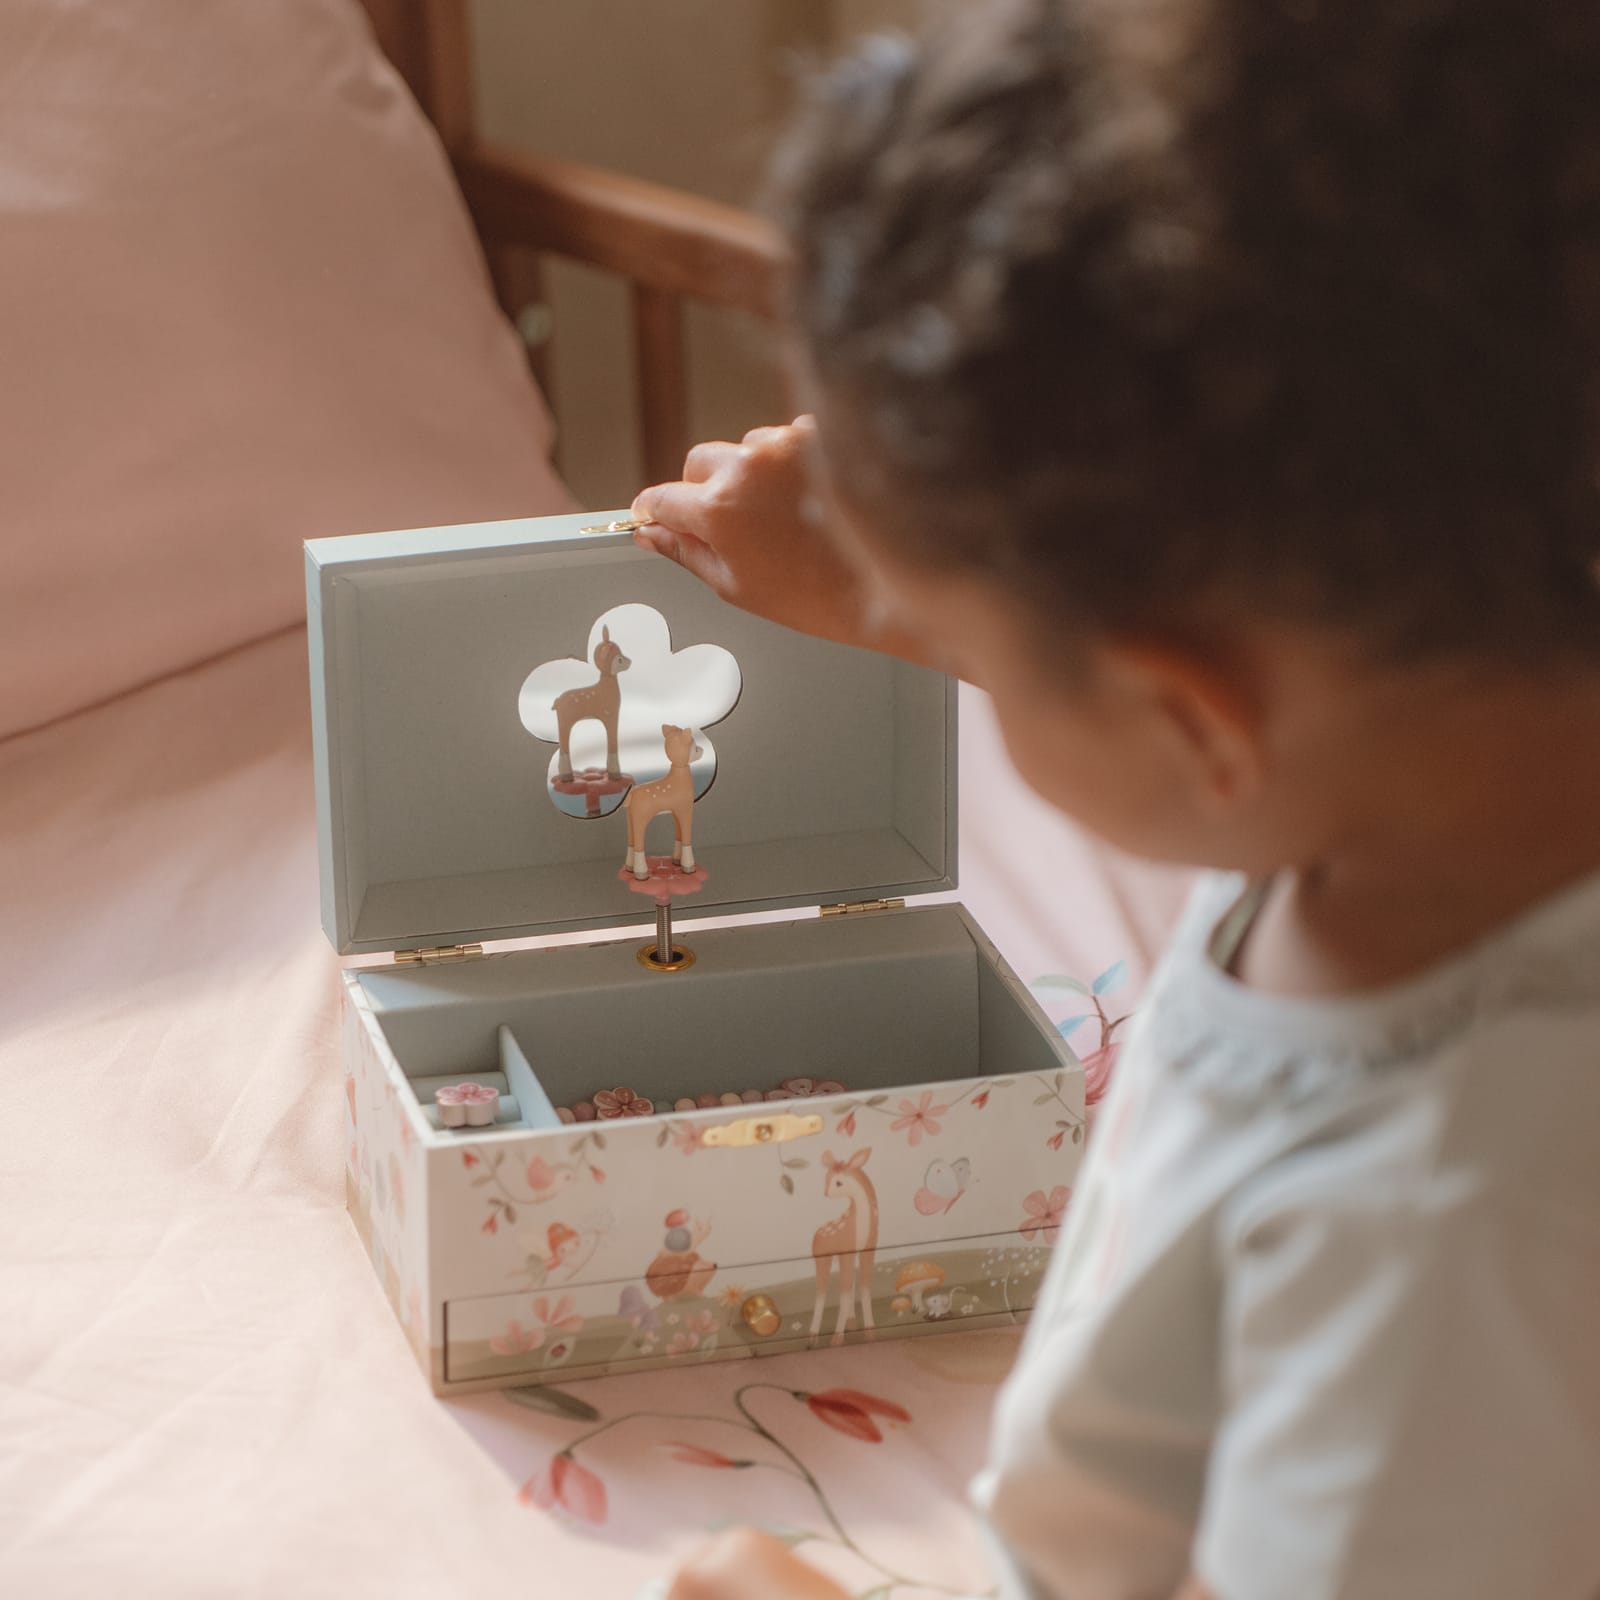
[(916, 1278)]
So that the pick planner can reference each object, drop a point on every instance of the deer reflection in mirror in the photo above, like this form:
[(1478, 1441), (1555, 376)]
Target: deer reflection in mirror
[(645, 686)]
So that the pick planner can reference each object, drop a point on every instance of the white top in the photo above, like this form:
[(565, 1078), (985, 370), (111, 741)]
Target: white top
[(1324, 1323)]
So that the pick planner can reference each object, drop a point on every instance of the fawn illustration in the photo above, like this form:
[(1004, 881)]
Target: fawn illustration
[(674, 793), (599, 702), (851, 1240)]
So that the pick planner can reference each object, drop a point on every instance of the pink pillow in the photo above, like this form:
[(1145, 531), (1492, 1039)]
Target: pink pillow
[(241, 305)]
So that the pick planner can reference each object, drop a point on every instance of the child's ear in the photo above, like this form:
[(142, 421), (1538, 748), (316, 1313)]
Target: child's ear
[(1212, 721)]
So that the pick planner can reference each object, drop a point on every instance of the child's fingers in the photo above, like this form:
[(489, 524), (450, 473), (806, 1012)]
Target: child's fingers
[(705, 460), (744, 1565), (681, 506), (693, 555)]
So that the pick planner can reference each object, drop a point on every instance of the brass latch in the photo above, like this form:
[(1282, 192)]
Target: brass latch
[(849, 907), (429, 954), (763, 1130)]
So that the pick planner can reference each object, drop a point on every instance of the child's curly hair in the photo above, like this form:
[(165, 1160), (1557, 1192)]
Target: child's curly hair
[(1163, 310)]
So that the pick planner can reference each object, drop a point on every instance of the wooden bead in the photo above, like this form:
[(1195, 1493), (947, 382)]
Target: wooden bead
[(566, 1114), (731, 1099), (752, 1097), (683, 1103)]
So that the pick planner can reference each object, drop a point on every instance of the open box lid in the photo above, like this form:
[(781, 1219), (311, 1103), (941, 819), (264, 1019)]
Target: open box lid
[(835, 772)]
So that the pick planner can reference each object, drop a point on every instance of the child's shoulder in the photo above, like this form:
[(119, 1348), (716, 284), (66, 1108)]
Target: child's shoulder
[(1511, 1020)]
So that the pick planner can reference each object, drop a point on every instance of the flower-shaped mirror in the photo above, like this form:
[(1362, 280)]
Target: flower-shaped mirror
[(619, 717)]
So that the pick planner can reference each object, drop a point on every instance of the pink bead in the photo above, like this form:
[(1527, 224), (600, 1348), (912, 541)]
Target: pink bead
[(706, 1100), (752, 1096), (583, 1111)]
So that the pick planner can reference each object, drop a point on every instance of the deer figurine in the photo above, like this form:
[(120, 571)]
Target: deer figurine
[(850, 1240), (674, 793), (599, 702)]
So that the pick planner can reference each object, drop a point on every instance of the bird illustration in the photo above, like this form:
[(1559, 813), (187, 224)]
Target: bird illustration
[(547, 1181), (942, 1185)]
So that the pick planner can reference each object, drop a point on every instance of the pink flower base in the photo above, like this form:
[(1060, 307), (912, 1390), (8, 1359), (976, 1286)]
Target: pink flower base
[(667, 879)]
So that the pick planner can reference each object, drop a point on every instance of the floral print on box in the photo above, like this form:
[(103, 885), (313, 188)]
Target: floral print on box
[(511, 1254)]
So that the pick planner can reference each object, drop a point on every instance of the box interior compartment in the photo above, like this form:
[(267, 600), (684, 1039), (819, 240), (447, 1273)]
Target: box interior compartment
[(835, 775), (876, 1001)]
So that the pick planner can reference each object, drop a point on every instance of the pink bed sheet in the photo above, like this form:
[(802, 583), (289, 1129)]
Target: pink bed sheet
[(202, 1391)]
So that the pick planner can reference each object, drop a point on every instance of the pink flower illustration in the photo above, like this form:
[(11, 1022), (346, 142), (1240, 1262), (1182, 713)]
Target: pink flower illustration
[(564, 1483), (687, 1139), (350, 1095), (853, 1413), (1097, 1068), (1044, 1213), (548, 1319), (919, 1118), (468, 1159), (699, 1332), (558, 1317), (695, 1455), (847, 1126), (979, 1101), (517, 1340)]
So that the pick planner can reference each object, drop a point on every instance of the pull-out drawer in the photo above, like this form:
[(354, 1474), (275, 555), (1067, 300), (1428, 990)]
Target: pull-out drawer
[(767, 1308)]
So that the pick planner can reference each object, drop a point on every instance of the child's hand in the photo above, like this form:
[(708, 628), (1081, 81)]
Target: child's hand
[(744, 521), (745, 1565)]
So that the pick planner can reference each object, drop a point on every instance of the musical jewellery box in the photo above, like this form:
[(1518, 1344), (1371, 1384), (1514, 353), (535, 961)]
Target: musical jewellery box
[(701, 1143)]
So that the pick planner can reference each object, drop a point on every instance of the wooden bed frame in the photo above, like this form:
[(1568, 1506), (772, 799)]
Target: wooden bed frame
[(670, 246)]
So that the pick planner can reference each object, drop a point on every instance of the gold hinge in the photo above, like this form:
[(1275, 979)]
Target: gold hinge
[(850, 907), (431, 953)]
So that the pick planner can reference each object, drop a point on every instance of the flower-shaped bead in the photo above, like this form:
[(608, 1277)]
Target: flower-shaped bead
[(807, 1088), (472, 1105), (619, 1102)]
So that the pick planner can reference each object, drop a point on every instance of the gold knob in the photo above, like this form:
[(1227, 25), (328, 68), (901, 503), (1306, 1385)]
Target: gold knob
[(761, 1315)]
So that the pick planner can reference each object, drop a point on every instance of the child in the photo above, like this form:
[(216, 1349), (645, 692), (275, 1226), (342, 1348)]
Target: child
[(1211, 381)]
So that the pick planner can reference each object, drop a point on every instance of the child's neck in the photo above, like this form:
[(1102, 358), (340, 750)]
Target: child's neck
[(1464, 811)]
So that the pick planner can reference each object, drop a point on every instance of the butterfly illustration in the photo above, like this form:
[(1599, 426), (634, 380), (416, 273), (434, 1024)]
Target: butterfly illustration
[(942, 1185)]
